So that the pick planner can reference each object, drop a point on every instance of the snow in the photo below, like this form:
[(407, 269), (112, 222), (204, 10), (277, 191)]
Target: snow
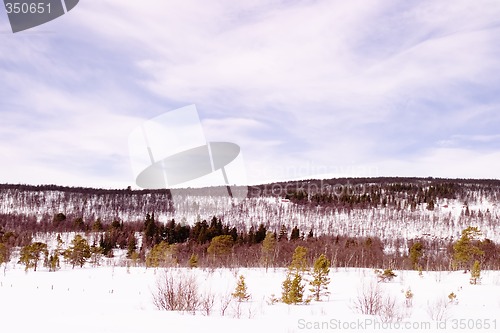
[(119, 299), (444, 223)]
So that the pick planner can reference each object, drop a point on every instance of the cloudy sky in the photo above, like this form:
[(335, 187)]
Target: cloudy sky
[(305, 87)]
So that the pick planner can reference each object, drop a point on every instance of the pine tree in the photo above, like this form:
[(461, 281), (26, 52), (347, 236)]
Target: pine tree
[(299, 260), (260, 234), (283, 234), (465, 249), (220, 247), (31, 254), (193, 261), (286, 289), (416, 252), (97, 226), (387, 275), (96, 253), (4, 253), (320, 280), (150, 231), (295, 233), (267, 250), (292, 289), (240, 292), (52, 262), (310, 235), (131, 245), (59, 247), (475, 273), (162, 255), (78, 252)]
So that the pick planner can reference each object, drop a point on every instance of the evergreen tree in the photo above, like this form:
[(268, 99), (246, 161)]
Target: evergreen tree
[(416, 252), (283, 234), (387, 275), (295, 233), (430, 205), (267, 250), (475, 273), (59, 247), (261, 233), (310, 235), (286, 288), (97, 226), (79, 224), (292, 289), (240, 292), (31, 254), (299, 260), (52, 262), (58, 218), (319, 284), (96, 253), (193, 261), (78, 252), (131, 245), (150, 230), (162, 255), (466, 249), (4, 253), (220, 245), (116, 225)]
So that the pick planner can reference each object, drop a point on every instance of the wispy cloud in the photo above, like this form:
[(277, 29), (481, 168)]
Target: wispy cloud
[(305, 87)]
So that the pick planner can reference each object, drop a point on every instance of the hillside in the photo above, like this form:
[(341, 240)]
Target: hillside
[(388, 208)]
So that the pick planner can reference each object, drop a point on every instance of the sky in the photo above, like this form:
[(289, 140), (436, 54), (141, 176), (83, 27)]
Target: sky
[(306, 88)]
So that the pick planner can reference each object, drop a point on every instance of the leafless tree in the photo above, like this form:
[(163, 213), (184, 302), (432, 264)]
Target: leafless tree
[(225, 301), (207, 303)]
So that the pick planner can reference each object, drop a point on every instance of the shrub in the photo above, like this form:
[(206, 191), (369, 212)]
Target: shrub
[(369, 299), (240, 292), (438, 309), (176, 292), (408, 298), (386, 275)]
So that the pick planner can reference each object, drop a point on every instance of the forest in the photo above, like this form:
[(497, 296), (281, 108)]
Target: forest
[(397, 223)]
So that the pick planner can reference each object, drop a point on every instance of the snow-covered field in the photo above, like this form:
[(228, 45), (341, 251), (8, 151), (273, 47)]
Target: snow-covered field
[(119, 299)]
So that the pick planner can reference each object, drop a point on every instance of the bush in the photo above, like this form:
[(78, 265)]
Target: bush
[(439, 309), (176, 292), (409, 298), (453, 298), (369, 300), (372, 301), (386, 275)]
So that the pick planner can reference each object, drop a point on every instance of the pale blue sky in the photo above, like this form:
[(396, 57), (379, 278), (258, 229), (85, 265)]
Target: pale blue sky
[(306, 88)]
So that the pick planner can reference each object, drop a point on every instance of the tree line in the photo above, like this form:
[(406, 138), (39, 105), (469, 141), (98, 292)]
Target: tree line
[(214, 243)]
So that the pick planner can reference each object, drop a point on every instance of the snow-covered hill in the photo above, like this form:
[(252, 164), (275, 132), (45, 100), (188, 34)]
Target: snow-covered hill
[(387, 208)]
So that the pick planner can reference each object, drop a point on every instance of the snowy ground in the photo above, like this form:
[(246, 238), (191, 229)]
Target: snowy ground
[(119, 299)]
